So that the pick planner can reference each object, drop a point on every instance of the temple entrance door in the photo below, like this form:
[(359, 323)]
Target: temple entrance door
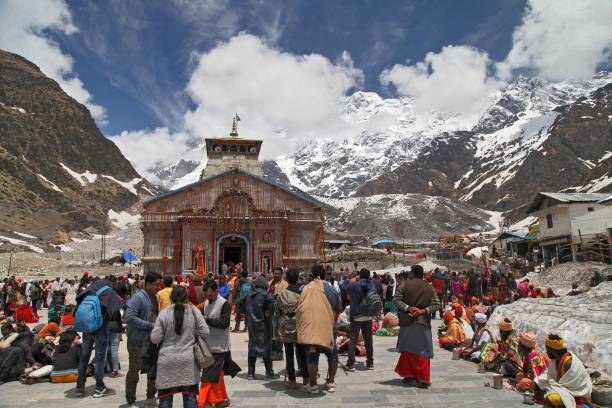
[(233, 249)]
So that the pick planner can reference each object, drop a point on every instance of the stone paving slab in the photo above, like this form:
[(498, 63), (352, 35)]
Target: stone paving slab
[(454, 384)]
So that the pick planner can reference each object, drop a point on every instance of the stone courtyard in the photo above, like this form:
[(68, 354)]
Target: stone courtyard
[(454, 384)]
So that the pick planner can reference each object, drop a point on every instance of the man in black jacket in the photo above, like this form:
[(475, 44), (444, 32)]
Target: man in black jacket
[(110, 303)]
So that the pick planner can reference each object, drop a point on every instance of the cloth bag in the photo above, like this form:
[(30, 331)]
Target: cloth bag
[(201, 352)]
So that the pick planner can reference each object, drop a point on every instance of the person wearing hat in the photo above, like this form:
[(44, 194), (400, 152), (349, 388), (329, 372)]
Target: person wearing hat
[(566, 383), (509, 359), (415, 300), (481, 337), (535, 362), (494, 355)]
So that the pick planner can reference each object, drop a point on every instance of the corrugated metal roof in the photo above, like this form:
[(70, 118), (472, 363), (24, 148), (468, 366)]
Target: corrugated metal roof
[(567, 198), (295, 192), (605, 200), (577, 197)]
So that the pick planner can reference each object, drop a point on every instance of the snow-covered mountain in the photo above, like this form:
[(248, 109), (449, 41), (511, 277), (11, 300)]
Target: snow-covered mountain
[(534, 136), (549, 136)]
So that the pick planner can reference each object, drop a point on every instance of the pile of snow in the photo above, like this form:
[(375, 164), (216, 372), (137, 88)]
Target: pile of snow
[(584, 321), (561, 277), (123, 219), (477, 252), (82, 178), (430, 266), (21, 243)]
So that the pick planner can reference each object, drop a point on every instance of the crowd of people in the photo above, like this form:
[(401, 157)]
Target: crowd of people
[(301, 314)]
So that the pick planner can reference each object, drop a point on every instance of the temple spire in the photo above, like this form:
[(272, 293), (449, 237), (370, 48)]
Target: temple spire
[(235, 120)]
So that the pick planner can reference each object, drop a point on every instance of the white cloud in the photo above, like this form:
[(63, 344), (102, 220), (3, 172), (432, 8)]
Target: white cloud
[(283, 98), (147, 149), (453, 82), (561, 39), (23, 26)]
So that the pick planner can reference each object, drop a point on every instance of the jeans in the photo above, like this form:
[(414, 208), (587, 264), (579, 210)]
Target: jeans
[(189, 401), (366, 330), (99, 340), (239, 314), (133, 375), (115, 338), (300, 354)]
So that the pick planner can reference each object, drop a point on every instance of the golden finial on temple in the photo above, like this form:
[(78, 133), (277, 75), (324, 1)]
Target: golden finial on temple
[(234, 132)]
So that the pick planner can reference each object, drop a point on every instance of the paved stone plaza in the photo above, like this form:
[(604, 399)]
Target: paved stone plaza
[(454, 384)]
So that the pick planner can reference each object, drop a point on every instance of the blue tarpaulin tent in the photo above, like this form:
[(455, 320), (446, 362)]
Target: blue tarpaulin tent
[(129, 257), (383, 243)]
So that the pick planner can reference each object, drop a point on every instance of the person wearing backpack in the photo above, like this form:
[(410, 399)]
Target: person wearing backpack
[(94, 306), (361, 319), (243, 289), (285, 315)]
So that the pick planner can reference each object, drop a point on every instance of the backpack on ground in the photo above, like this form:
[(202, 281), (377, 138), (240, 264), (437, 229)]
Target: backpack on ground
[(371, 305), (88, 316)]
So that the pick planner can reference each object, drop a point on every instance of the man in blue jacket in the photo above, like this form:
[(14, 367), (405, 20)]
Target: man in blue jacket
[(141, 313), (359, 321), (110, 304)]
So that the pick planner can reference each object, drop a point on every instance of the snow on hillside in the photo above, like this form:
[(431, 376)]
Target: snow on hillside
[(385, 134), (19, 242), (123, 219), (388, 133), (129, 186)]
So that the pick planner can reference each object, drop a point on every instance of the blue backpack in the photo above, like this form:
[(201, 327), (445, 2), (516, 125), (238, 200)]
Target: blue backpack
[(88, 316), (245, 289)]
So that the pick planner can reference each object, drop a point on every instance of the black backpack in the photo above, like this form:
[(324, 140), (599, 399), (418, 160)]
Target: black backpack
[(371, 304)]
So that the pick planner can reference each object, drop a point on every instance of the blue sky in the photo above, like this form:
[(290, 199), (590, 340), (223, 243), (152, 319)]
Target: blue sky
[(134, 57), (158, 76)]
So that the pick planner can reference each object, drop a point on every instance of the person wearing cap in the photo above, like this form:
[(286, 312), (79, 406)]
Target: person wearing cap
[(566, 382), (415, 300), (481, 337), (535, 362)]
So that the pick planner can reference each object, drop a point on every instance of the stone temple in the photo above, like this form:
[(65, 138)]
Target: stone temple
[(232, 214)]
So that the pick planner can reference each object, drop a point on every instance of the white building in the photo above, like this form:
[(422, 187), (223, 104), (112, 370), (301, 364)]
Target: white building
[(569, 221)]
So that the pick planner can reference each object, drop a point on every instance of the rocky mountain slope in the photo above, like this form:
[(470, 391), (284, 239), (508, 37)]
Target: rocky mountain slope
[(58, 173), (405, 216)]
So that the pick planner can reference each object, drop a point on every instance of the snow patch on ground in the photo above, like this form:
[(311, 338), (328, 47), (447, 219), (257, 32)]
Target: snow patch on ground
[(82, 178), (130, 185), (64, 248), (583, 321), (22, 243), (21, 234), (53, 186), (123, 219), (495, 217)]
